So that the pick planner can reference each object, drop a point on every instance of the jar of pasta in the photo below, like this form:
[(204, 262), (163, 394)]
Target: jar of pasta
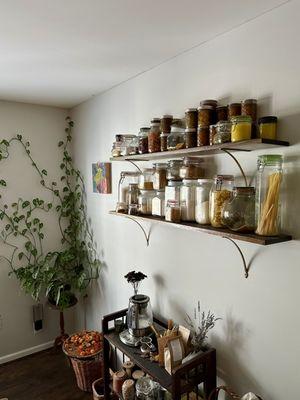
[(221, 191), (241, 128)]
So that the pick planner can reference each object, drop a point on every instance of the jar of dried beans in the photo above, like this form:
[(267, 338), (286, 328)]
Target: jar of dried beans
[(221, 191)]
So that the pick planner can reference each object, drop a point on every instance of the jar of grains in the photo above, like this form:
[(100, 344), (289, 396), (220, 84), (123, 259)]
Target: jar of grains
[(143, 140), (154, 137), (188, 199), (192, 168), (206, 115), (240, 128), (234, 109), (160, 176), (164, 141), (165, 123), (158, 203), (175, 139), (146, 179), (173, 211), (203, 136), (223, 132), (191, 118), (145, 201), (212, 133), (172, 191), (190, 137), (222, 113), (173, 169), (202, 201), (221, 191)]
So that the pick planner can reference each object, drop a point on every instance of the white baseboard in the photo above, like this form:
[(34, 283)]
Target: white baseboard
[(25, 352)]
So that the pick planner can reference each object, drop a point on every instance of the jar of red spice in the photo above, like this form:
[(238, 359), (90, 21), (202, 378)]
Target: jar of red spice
[(191, 118), (234, 109), (190, 137), (203, 136), (154, 137)]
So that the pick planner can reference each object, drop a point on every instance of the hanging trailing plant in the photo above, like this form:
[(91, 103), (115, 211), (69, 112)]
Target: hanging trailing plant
[(57, 274)]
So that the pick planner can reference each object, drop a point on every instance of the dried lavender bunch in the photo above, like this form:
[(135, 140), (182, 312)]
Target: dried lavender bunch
[(135, 279), (205, 323)]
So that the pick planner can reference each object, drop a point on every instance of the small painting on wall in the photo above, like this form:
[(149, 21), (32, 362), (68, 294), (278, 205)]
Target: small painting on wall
[(101, 177)]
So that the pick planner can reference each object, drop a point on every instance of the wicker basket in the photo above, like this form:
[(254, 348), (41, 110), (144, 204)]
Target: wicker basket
[(230, 393), (87, 371)]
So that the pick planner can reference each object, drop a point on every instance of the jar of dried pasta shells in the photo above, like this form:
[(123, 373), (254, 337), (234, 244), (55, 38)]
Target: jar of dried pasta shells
[(221, 191)]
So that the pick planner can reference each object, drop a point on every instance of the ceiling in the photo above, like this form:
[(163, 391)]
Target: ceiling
[(62, 52)]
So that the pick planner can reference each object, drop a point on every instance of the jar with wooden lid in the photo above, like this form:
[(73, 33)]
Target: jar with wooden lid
[(234, 109), (223, 132), (146, 179), (154, 138), (173, 171), (267, 127), (206, 115), (192, 168), (164, 141), (145, 201), (222, 113), (203, 136), (143, 140), (191, 118), (173, 211), (221, 191), (158, 203), (165, 123), (160, 176), (190, 138), (175, 139), (188, 199), (241, 128)]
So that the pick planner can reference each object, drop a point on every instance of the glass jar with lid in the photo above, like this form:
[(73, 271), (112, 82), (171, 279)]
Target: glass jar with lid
[(175, 139), (221, 191), (173, 169), (203, 135), (267, 127), (158, 203), (126, 178), (146, 179), (223, 132), (234, 109), (154, 137), (165, 123), (173, 211), (239, 212), (145, 201), (160, 176), (222, 113), (133, 193), (164, 141), (190, 138), (241, 128), (249, 107), (143, 140), (133, 146), (206, 115), (268, 202), (188, 199), (202, 201), (192, 168), (172, 191), (191, 118)]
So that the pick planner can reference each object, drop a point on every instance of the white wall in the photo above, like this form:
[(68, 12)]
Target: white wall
[(43, 127), (257, 339)]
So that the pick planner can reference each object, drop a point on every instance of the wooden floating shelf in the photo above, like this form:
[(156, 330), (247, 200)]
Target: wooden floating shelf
[(193, 226), (245, 145)]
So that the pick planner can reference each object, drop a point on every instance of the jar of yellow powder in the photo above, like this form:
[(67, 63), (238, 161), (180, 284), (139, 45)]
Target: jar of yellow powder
[(241, 128), (268, 127)]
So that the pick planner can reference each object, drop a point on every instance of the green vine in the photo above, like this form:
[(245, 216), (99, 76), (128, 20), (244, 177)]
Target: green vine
[(54, 273)]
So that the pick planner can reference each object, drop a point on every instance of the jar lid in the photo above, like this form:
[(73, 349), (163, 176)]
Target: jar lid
[(175, 162), (224, 178), (234, 104), (268, 119), (190, 130), (206, 107), (173, 183), (191, 110), (145, 129), (241, 118), (164, 134), (167, 116), (189, 181), (209, 102), (203, 181), (155, 120), (249, 101), (270, 158), (222, 108), (247, 190)]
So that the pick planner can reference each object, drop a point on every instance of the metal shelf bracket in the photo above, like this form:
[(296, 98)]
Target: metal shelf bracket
[(237, 162), (146, 235), (246, 267)]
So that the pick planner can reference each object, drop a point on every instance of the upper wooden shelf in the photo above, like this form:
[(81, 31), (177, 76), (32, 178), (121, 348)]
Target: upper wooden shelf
[(245, 145)]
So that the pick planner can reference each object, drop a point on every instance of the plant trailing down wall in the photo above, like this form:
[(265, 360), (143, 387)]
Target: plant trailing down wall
[(56, 274)]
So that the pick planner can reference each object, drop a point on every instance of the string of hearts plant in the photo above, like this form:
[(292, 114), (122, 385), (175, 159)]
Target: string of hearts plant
[(56, 274)]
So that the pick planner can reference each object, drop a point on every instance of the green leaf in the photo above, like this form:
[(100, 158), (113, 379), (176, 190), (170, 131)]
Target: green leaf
[(19, 137), (54, 184), (2, 215), (60, 143), (41, 225), (35, 221), (65, 189), (49, 205), (25, 204), (24, 231), (34, 252), (62, 166), (41, 235), (58, 208), (20, 255), (2, 182), (44, 172), (42, 182), (27, 144), (5, 142), (28, 245), (7, 227), (56, 192)]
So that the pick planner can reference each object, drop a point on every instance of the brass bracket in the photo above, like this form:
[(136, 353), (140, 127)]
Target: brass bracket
[(146, 235), (246, 267), (238, 164)]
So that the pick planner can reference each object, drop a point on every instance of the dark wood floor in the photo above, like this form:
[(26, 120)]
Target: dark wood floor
[(42, 376)]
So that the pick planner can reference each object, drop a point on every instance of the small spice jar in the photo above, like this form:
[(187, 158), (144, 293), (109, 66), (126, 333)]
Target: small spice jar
[(203, 136), (205, 115), (221, 191), (133, 193), (175, 139), (143, 140), (154, 138), (164, 141), (133, 209), (249, 107), (234, 109), (241, 128), (192, 168), (212, 133), (267, 127), (190, 137), (172, 211), (222, 113), (145, 201), (158, 204), (165, 123), (202, 201), (160, 176), (146, 179), (223, 132), (191, 118), (174, 169), (188, 199)]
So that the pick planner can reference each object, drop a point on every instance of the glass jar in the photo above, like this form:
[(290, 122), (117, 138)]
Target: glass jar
[(165, 123), (143, 140), (202, 201), (249, 107), (158, 203), (133, 209), (145, 201), (268, 127), (173, 169), (172, 191), (234, 109), (209, 102), (126, 178), (212, 132), (239, 212), (191, 118), (146, 179), (154, 138), (223, 132), (175, 139), (173, 211), (133, 193), (222, 113), (160, 176), (192, 168), (221, 191), (206, 115), (203, 136), (125, 144), (240, 128), (133, 146), (188, 199), (164, 141), (190, 138), (267, 205)]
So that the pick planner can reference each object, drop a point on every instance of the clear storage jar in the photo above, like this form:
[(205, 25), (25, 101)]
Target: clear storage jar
[(158, 203), (188, 200), (202, 201), (173, 211), (267, 127), (133, 194), (192, 168), (164, 141), (145, 201), (175, 140), (160, 176), (241, 128), (223, 132), (239, 212), (146, 179), (267, 203), (154, 137), (221, 191), (172, 191), (143, 140), (126, 178), (174, 169)]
